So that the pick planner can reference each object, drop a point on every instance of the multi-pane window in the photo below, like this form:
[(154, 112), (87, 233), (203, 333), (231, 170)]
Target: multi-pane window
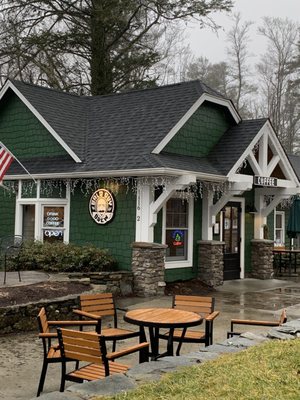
[(177, 229), (279, 228)]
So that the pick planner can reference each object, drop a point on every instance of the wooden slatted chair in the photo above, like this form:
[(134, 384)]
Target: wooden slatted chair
[(200, 305), (97, 306), (91, 348), (253, 322), (51, 350)]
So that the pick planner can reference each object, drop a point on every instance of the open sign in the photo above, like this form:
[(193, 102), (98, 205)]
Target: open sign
[(53, 233)]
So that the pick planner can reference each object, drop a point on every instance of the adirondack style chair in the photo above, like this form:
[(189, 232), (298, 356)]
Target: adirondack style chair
[(201, 305), (51, 351), (99, 306), (90, 347)]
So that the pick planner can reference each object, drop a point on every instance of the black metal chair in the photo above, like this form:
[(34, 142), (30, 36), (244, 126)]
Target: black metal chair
[(10, 246)]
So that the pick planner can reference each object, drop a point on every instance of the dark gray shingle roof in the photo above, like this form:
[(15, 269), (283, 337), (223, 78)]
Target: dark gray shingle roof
[(119, 131), (295, 161), (233, 143)]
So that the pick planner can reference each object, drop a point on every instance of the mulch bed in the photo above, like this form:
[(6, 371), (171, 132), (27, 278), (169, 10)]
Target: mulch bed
[(16, 295), (193, 287)]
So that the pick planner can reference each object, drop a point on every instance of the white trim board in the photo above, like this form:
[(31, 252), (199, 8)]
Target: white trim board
[(268, 137), (10, 85)]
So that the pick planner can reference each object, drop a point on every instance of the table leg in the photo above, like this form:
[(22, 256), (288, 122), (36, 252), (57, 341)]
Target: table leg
[(170, 350), (154, 342), (142, 339), (180, 342)]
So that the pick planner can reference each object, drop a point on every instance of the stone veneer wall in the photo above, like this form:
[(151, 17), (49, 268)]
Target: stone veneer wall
[(148, 268), (211, 263), (262, 258)]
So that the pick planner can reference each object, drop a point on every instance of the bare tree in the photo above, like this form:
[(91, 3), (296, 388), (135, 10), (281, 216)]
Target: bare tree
[(238, 64), (275, 74), (214, 75)]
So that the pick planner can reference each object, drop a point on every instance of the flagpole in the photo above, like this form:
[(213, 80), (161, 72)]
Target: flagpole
[(14, 157)]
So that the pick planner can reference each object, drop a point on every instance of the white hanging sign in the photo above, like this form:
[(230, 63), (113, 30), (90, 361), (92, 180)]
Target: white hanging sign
[(102, 206)]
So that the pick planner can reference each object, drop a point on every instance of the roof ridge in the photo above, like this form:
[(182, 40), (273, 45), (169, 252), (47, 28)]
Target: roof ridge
[(203, 85), (59, 91)]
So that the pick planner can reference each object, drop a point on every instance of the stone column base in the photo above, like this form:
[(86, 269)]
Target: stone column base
[(211, 262), (262, 258), (148, 268)]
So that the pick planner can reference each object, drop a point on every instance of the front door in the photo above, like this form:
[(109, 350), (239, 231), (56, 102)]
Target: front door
[(232, 238)]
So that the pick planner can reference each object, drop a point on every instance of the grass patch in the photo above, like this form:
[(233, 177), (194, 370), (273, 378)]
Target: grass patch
[(270, 371)]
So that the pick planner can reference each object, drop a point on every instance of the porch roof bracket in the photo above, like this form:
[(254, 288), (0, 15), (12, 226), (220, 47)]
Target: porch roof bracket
[(279, 195), (236, 189), (180, 184)]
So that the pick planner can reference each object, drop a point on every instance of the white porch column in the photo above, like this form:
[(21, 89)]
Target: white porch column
[(144, 229), (207, 226), (259, 219)]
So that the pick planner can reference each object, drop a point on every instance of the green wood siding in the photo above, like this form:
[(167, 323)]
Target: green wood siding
[(201, 132), (115, 236), (179, 274), (23, 133), (7, 213)]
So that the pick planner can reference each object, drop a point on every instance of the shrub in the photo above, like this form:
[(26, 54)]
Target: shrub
[(60, 257)]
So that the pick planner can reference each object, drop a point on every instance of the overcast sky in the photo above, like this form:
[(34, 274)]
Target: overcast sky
[(204, 42)]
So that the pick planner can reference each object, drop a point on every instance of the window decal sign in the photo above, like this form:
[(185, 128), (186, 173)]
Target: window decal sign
[(102, 206), (178, 237)]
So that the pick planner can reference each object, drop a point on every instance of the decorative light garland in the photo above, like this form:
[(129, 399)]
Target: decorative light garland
[(89, 185)]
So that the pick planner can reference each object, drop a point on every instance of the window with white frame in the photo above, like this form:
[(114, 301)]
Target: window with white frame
[(279, 228), (178, 233), (43, 219)]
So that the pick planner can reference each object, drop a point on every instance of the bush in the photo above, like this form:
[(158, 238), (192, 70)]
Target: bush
[(60, 257)]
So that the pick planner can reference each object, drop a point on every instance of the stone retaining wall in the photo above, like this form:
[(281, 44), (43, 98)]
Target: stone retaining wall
[(120, 283), (24, 317), (211, 262)]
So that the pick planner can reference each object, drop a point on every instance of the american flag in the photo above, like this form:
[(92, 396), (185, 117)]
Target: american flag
[(5, 160)]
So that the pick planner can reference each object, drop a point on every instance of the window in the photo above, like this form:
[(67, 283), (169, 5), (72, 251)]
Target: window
[(42, 218), (53, 224), (279, 228), (178, 232)]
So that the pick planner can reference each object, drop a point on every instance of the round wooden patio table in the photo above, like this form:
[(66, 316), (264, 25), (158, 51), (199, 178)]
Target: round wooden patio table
[(156, 318)]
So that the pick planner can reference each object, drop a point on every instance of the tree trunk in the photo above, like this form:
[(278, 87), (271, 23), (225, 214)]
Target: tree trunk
[(101, 67)]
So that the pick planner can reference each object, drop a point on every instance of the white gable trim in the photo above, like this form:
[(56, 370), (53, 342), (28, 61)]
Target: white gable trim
[(266, 137), (10, 85), (191, 111)]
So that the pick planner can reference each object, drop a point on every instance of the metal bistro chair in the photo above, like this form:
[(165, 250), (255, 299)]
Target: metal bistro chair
[(10, 246)]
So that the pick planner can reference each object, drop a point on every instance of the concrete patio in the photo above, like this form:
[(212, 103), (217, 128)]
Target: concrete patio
[(21, 359)]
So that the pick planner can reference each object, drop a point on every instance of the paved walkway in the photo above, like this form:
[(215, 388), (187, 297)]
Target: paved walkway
[(27, 278)]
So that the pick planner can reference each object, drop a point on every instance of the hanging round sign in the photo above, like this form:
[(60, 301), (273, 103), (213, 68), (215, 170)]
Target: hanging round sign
[(102, 206)]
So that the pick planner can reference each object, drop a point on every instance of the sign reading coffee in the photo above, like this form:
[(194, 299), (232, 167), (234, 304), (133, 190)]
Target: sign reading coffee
[(102, 206), (265, 181)]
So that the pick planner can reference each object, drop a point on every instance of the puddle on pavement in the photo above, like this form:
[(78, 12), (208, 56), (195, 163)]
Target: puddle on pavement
[(285, 290)]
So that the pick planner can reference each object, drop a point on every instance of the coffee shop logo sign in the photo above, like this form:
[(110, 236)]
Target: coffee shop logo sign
[(102, 206)]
